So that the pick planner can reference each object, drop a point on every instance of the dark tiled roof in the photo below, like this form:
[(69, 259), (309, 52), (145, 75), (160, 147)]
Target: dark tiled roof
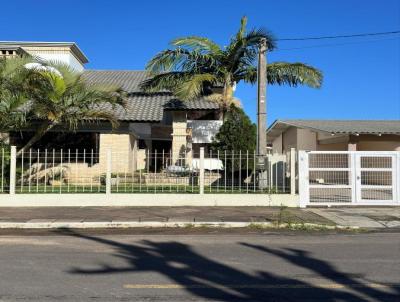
[(338, 126), (142, 106), (128, 80)]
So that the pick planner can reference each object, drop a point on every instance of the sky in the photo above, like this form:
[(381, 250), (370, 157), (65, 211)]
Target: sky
[(361, 75)]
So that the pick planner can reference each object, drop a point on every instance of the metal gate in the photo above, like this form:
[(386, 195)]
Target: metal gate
[(349, 178)]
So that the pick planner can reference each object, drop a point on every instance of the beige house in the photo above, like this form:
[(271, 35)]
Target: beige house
[(334, 135), (149, 124)]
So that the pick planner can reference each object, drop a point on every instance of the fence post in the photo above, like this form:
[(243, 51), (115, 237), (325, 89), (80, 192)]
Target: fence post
[(304, 190), (398, 176), (108, 171), (292, 171), (201, 174), (13, 169)]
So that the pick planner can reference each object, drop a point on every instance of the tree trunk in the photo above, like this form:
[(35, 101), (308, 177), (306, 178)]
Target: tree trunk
[(227, 96), (40, 132)]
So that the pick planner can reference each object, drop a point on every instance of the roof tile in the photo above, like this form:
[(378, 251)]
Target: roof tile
[(141, 106)]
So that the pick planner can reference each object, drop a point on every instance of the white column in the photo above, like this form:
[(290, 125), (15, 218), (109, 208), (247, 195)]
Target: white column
[(201, 174), (397, 180), (293, 171), (13, 169), (304, 190), (108, 171), (179, 144), (352, 147)]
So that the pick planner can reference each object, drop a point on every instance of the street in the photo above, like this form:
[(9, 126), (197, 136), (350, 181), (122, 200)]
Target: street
[(200, 267)]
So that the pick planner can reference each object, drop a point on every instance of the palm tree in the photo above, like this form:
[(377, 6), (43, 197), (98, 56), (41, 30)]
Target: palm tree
[(13, 92), (196, 65), (59, 96)]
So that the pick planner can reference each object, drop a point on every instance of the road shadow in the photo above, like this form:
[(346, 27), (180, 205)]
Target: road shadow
[(211, 280)]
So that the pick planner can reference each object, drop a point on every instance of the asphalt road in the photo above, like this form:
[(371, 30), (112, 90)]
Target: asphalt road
[(222, 267)]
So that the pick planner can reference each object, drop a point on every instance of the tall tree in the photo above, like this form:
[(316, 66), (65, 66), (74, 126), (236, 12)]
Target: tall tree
[(194, 66), (14, 92), (237, 133), (46, 95)]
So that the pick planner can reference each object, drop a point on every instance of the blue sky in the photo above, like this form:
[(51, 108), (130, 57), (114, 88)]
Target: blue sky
[(362, 80)]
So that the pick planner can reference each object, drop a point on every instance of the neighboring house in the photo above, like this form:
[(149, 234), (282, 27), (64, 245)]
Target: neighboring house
[(334, 135), (156, 122)]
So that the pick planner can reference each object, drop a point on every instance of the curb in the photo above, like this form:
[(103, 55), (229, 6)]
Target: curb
[(157, 224)]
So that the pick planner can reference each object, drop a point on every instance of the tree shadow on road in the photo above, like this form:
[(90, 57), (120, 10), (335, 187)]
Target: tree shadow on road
[(211, 280)]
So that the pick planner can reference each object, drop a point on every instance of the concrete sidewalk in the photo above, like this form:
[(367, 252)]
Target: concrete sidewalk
[(124, 217), (363, 217)]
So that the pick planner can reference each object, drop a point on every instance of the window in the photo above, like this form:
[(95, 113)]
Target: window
[(76, 147)]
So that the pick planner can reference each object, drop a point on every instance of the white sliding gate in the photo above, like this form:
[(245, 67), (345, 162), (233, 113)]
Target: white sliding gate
[(349, 178)]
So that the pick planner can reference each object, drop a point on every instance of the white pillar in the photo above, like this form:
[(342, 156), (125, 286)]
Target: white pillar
[(13, 169), (352, 147), (201, 174), (108, 171), (293, 171), (304, 189), (179, 143), (397, 178)]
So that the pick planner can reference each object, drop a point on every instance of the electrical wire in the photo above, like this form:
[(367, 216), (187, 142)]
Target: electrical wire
[(341, 36), (334, 44)]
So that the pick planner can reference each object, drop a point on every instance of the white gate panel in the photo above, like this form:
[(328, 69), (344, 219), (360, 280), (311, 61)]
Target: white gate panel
[(349, 178), (376, 178)]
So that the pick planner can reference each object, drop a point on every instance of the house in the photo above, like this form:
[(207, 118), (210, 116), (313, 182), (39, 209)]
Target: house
[(334, 135), (156, 122)]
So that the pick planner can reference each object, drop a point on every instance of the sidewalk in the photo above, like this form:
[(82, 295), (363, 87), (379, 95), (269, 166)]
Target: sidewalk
[(125, 217), (377, 217)]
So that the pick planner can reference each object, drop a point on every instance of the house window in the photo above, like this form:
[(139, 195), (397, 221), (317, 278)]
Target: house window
[(80, 147)]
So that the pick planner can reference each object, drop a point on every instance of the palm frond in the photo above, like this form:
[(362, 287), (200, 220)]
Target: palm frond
[(69, 74), (167, 60), (164, 81), (197, 43), (193, 87), (294, 74), (243, 49), (247, 73), (92, 116), (180, 59), (254, 36), (242, 30)]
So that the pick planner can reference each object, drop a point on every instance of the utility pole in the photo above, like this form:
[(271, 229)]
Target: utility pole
[(262, 98), (262, 113)]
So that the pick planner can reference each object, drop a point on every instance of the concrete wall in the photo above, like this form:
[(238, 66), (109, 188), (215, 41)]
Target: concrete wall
[(332, 147), (306, 140), (60, 54), (179, 143), (122, 146), (300, 139), (378, 146), (289, 139), (148, 200), (277, 146)]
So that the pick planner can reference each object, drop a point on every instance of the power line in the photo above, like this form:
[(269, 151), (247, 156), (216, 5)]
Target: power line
[(341, 36), (335, 44)]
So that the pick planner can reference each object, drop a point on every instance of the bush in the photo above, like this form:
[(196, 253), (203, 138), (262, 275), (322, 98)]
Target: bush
[(236, 134)]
